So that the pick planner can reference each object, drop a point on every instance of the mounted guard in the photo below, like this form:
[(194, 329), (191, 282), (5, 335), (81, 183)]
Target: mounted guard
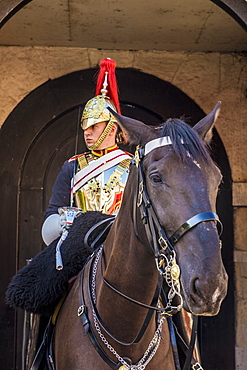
[(163, 243)]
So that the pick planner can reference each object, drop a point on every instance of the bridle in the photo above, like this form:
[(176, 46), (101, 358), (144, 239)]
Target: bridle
[(159, 244), (163, 250)]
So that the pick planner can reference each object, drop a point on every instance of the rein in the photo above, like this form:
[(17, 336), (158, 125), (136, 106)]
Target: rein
[(92, 296), (123, 362)]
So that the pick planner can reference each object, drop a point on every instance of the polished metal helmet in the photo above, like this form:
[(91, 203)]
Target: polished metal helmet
[(106, 96)]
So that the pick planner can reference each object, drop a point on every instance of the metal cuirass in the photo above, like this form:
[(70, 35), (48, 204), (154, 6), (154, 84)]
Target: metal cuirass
[(104, 191)]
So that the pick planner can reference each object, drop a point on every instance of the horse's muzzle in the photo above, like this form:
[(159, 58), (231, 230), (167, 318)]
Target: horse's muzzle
[(204, 297)]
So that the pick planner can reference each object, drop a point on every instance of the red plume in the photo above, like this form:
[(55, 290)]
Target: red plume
[(108, 65)]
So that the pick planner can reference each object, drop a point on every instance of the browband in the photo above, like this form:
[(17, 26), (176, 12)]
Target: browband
[(156, 143)]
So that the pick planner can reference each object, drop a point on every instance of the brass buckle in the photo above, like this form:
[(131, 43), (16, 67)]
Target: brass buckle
[(139, 201), (137, 157), (163, 243), (80, 310)]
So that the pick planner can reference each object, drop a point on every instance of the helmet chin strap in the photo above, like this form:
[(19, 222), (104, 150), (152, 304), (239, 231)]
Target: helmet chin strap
[(102, 136)]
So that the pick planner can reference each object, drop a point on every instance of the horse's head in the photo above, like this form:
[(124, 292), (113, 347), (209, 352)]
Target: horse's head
[(182, 181)]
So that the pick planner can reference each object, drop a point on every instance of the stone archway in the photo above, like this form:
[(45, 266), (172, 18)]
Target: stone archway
[(235, 8), (38, 136)]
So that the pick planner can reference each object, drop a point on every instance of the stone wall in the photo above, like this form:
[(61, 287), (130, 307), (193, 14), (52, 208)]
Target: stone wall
[(204, 77)]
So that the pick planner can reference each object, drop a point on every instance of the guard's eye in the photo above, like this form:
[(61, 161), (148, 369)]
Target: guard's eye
[(155, 178)]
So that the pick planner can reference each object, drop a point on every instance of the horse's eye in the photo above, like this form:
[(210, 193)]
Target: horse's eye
[(155, 179)]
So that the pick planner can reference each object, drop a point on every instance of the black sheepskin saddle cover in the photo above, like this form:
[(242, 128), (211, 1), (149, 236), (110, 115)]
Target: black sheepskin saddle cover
[(38, 286)]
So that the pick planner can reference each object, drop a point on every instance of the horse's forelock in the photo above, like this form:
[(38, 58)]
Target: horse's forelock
[(184, 140)]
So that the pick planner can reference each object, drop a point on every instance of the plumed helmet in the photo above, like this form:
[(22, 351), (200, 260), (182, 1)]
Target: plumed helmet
[(106, 95)]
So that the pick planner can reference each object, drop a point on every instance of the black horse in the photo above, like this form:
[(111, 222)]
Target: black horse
[(173, 181)]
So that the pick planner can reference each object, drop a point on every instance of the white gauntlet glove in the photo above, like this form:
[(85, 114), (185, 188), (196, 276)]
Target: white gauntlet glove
[(53, 227), (56, 223)]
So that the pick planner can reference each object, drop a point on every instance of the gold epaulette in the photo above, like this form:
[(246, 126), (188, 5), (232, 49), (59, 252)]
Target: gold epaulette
[(82, 159), (75, 157), (125, 163), (85, 159)]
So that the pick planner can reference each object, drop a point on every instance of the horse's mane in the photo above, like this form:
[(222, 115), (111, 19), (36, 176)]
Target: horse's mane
[(185, 140)]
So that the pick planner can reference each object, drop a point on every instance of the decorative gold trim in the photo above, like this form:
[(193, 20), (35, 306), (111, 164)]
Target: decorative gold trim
[(80, 310), (137, 157), (163, 243), (101, 152), (139, 200), (82, 161), (175, 271), (96, 111)]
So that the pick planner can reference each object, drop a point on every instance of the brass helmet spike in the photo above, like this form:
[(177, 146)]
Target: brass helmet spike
[(105, 84)]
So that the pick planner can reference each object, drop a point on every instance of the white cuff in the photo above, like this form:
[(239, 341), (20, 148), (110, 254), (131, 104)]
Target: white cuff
[(51, 228)]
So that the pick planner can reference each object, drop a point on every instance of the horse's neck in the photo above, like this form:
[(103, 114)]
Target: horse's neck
[(130, 268), (127, 261)]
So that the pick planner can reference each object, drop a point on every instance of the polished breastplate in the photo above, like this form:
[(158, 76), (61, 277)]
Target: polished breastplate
[(103, 192)]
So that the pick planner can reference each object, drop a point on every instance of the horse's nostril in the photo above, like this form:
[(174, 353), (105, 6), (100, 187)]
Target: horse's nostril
[(197, 287), (196, 292), (203, 291)]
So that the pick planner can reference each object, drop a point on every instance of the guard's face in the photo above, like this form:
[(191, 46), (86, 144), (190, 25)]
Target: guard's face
[(92, 133)]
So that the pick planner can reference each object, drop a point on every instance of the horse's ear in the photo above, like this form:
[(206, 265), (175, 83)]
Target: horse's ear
[(135, 130), (204, 127)]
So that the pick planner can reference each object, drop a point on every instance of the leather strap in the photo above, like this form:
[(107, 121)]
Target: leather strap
[(157, 143), (104, 356), (101, 352), (148, 317), (172, 333), (99, 236), (40, 354), (49, 351), (151, 307), (82, 313), (174, 343), (82, 309), (155, 233), (190, 350), (192, 222)]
